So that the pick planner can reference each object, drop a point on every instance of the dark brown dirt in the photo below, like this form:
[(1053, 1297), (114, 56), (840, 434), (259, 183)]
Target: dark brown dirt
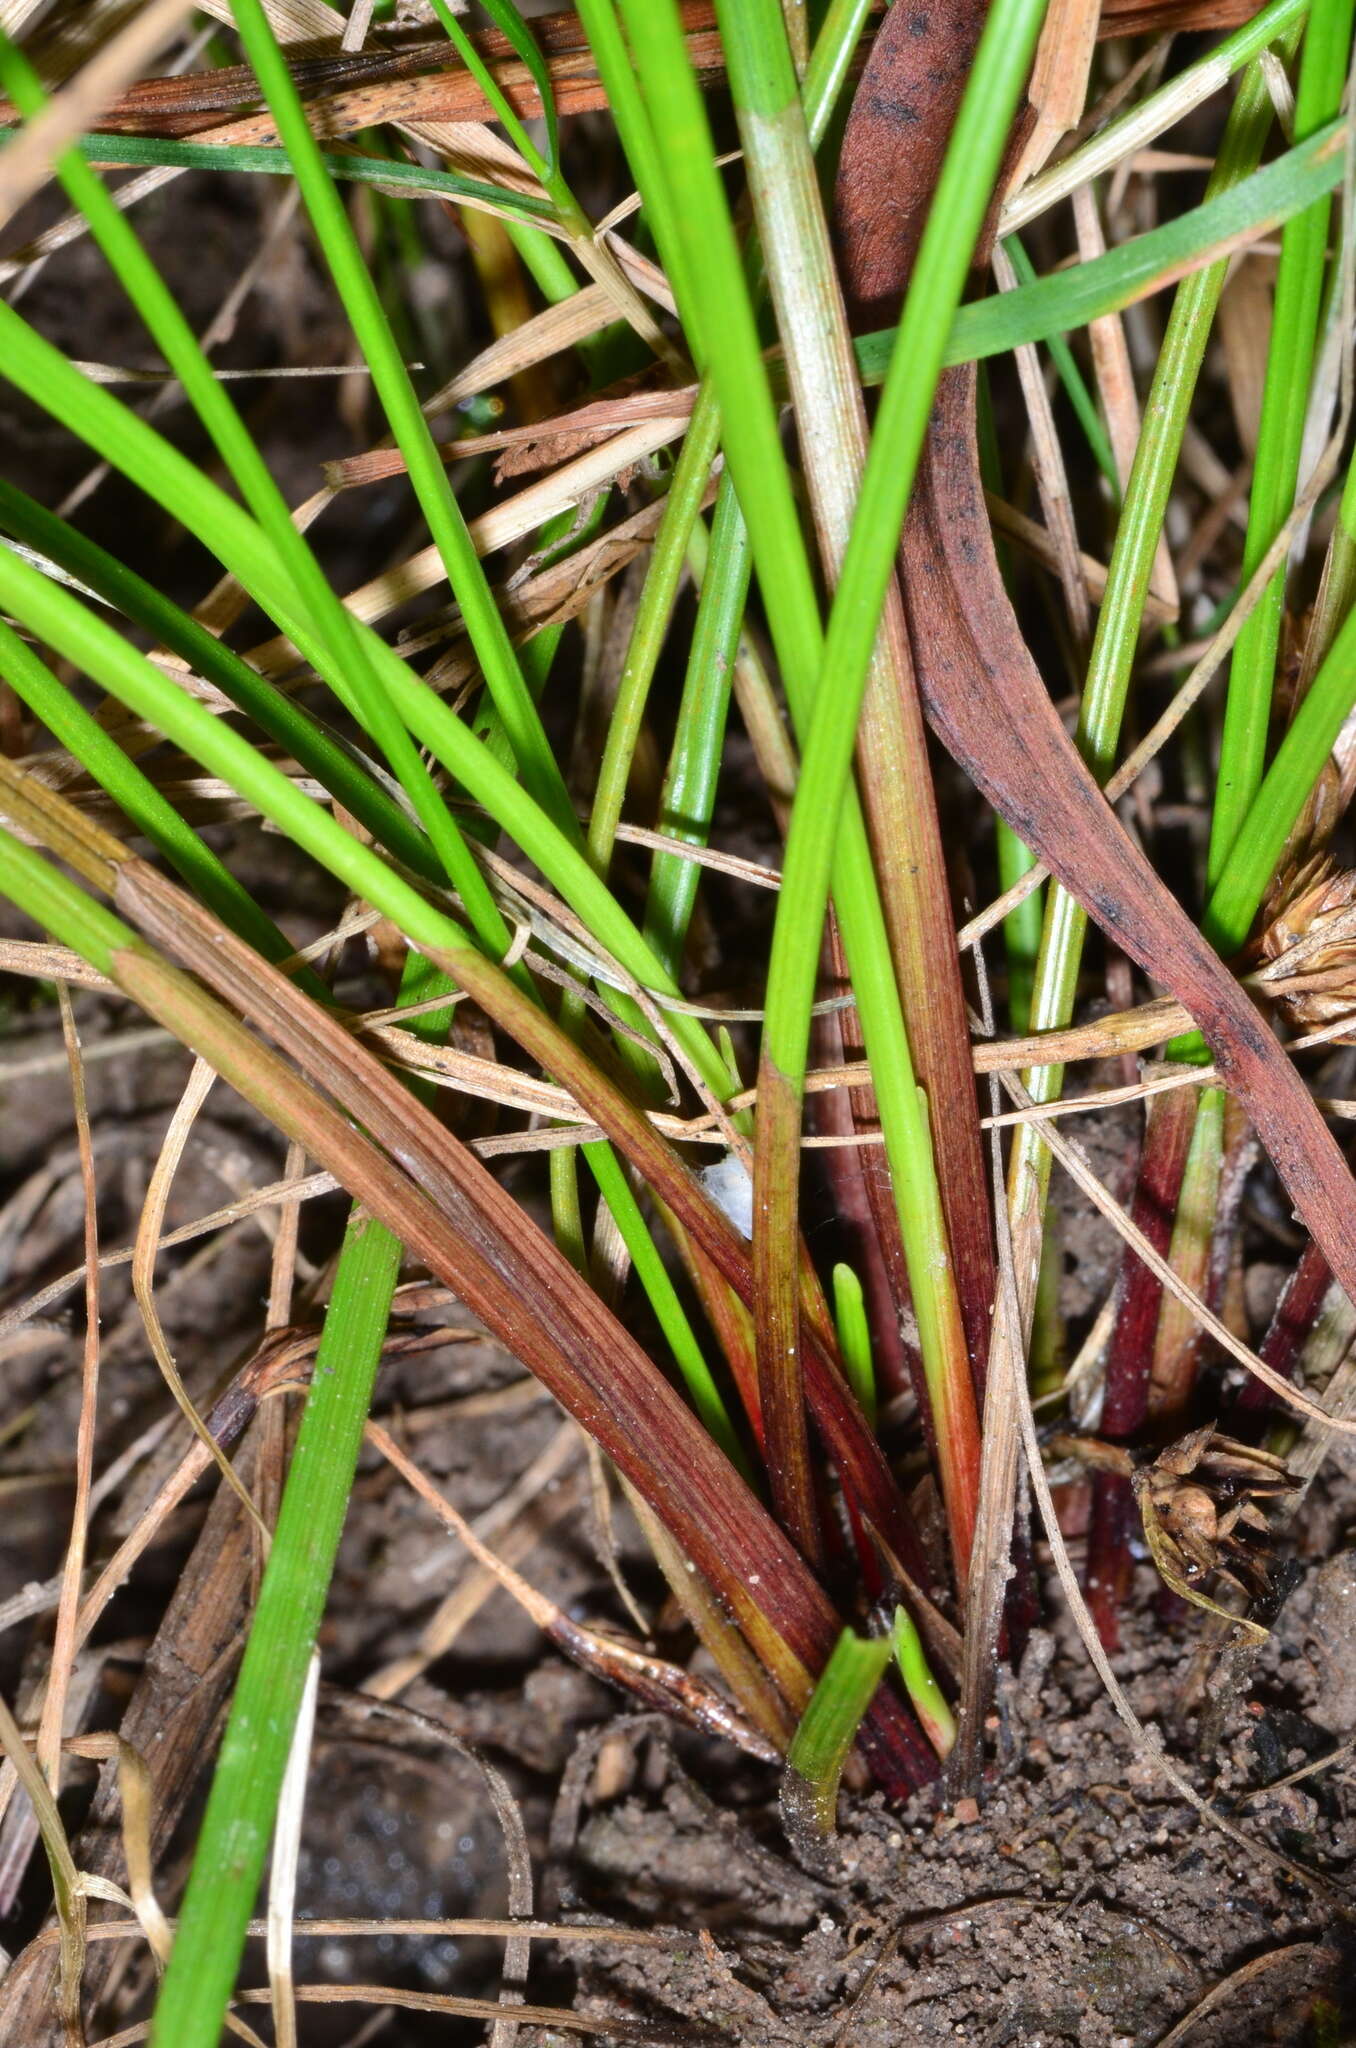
[(1083, 1904)]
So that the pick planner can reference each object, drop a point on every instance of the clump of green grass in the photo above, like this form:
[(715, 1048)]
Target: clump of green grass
[(771, 1472)]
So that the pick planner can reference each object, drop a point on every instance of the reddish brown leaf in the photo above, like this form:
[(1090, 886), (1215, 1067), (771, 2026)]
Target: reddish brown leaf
[(1292, 1321), (992, 710), (989, 705), (460, 1223), (1167, 1139)]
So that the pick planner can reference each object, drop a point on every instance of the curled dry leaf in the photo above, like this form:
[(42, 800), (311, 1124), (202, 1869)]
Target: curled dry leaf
[(1310, 942)]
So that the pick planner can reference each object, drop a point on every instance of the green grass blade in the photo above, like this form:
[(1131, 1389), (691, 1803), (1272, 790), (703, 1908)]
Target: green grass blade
[(1285, 790), (233, 1840), (854, 1338), (1021, 926), (929, 1701), (388, 174), (132, 446), (428, 475), (507, 19), (765, 94), (827, 1729), (1285, 397), (138, 798), (55, 615), (654, 612), (704, 262), (635, 130), (1074, 382), (345, 650), (690, 781), (689, 793), (332, 764), (1240, 211)]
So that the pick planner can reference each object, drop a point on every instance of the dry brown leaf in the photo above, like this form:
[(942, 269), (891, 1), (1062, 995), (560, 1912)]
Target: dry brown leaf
[(1059, 81), (51, 1725)]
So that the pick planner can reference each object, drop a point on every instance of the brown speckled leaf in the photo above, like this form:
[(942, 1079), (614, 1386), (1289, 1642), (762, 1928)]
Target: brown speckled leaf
[(395, 80)]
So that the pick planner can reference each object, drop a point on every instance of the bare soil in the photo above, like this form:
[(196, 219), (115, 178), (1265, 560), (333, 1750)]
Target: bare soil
[(1082, 1903)]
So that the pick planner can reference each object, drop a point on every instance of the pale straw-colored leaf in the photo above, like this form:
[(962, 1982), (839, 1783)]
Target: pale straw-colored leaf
[(1047, 460), (1059, 81), (26, 162), (149, 1232), (68, 1894), (1116, 383)]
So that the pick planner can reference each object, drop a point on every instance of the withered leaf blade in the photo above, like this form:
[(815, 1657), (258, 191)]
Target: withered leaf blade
[(427, 84), (457, 1220), (988, 704)]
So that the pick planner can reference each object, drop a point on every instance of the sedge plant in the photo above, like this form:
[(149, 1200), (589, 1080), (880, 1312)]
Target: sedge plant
[(749, 1427)]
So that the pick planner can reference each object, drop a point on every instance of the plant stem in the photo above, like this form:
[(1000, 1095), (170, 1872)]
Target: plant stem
[(1021, 926), (819, 365), (1125, 1407), (827, 1729), (1177, 1342), (1119, 619), (681, 507), (688, 797)]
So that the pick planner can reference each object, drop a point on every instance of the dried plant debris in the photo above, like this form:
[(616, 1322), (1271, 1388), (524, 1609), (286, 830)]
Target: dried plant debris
[(1309, 942)]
